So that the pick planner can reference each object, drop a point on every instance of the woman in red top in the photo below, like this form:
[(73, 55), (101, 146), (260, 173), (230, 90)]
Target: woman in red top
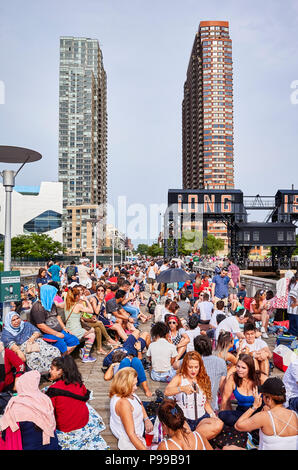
[(11, 367), (78, 424)]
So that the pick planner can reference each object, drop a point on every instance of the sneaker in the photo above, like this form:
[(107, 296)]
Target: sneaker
[(89, 359), (81, 353), (264, 335)]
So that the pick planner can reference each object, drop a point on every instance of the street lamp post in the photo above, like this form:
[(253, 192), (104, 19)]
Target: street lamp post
[(10, 155)]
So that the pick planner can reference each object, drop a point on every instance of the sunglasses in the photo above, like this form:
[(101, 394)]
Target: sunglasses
[(173, 323), (100, 290)]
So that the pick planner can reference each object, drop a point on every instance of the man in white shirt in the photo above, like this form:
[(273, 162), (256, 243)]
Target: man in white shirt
[(232, 323), (161, 353), (205, 309), (83, 272), (256, 347)]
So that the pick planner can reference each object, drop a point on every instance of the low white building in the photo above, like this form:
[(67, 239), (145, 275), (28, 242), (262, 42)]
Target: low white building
[(35, 209)]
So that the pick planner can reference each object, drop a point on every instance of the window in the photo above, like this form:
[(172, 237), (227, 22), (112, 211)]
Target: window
[(280, 236), (256, 236), (48, 220), (246, 237)]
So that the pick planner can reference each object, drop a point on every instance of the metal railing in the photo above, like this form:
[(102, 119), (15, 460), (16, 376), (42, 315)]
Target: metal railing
[(252, 283)]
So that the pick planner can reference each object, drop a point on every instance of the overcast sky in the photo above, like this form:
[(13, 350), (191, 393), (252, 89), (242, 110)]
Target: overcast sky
[(146, 46)]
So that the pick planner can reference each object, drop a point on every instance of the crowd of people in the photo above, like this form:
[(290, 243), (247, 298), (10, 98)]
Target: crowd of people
[(203, 337)]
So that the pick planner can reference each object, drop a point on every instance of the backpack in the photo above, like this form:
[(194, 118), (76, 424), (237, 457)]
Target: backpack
[(71, 272)]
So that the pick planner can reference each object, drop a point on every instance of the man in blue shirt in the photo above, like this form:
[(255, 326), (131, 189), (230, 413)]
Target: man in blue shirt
[(220, 286), (54, 270)]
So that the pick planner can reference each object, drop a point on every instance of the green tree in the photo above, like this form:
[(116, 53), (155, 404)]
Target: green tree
[(190, 242), (155, 250), (34, 246), (142, 249), (212, 245)]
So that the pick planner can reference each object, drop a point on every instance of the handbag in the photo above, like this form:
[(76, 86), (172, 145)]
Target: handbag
[(32, 347)]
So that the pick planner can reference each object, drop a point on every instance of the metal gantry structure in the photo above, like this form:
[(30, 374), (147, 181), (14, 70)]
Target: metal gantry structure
[(194, 209)]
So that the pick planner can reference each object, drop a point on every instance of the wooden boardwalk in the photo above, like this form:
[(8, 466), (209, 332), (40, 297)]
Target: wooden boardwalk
[(93, 380)]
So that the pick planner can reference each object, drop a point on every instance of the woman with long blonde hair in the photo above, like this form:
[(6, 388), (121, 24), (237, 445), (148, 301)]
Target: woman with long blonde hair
[(192, 390), (75, 305), (128, 417)]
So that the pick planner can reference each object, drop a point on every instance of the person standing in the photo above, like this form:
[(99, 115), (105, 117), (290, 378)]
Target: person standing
[(55, 272), (72, 272), (220, 286), (151, 275), (234, 273), (293, 306)]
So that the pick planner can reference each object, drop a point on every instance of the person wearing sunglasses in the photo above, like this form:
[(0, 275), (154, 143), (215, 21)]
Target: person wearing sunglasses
[(259, 311), (177, 334)]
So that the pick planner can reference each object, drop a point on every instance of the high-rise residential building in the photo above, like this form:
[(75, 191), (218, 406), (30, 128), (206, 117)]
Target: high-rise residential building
[(82, 136), (207, 110)]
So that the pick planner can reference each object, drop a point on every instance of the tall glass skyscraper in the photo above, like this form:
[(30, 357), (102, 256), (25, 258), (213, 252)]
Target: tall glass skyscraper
[(207, 110), (82, 137)]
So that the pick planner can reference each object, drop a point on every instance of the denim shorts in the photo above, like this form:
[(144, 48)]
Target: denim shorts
[(192, 423)]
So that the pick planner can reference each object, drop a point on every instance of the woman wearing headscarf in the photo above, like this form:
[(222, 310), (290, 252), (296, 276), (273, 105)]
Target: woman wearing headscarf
[(45, 317), (32, 414), (25, 340)]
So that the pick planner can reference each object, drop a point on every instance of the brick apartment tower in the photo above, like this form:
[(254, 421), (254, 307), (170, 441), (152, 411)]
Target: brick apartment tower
[(207, 110), (207, 115)]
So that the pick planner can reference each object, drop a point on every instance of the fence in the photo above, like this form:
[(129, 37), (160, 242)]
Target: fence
[(252, 283)]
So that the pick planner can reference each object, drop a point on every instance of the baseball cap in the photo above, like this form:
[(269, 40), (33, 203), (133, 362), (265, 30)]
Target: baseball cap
[(273, 386)]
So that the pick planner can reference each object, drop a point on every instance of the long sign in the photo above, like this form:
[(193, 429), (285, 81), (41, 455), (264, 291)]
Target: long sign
[(206, 201)]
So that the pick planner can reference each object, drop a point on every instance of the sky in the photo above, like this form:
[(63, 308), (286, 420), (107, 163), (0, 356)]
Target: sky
[(146, 47)]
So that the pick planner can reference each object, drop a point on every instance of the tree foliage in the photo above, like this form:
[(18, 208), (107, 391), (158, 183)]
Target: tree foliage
[(34, 246)]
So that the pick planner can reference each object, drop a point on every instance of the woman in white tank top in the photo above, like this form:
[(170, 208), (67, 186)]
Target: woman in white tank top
[(278, 426), (128, 417), (178, 436)]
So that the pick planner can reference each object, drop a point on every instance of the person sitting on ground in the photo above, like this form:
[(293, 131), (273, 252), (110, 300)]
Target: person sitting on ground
[(192, 389), (232, 324), (99, 305), (184, 308), (91, 320), (162, 353), (119, 315), (45, 317), (259, 311), (215, 367), (75, 305), (30, 415), (26, 341), (152, 302), (213, 324), (241, 383), (225, 344), (177, 334), (11, 367), (256, 347), (290, 380), (205, 310), (128, 302), (179, 437), (241, 294), (278, 426), (128, 417), (121, 359), (41, 278), (135, 344), (78, 424)]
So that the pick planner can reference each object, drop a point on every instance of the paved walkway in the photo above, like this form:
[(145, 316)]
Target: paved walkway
[(93, 380)]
